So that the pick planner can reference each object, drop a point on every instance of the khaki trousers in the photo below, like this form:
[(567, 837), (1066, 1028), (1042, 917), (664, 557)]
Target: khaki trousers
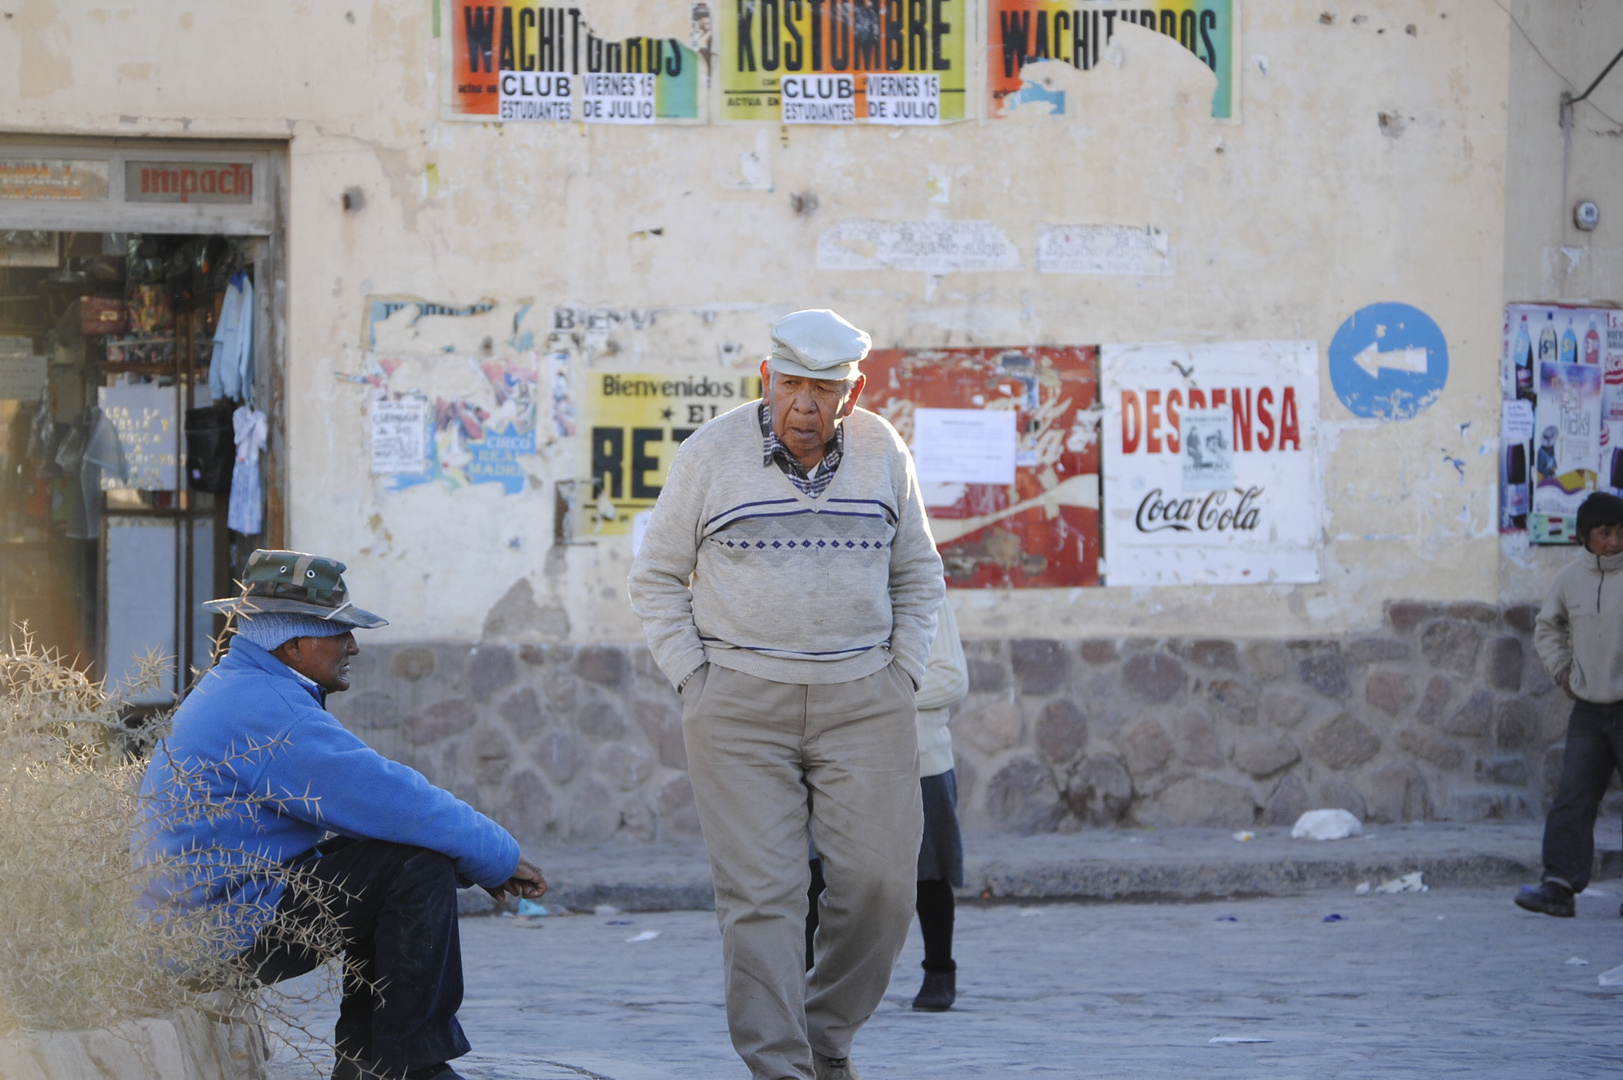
[(767, 760)]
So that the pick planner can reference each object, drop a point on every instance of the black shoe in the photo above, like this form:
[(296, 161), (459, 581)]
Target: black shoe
[(939, 991), (1550, 898)]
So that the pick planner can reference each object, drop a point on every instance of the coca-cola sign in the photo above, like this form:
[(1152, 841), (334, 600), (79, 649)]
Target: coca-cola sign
[(1210, 463)]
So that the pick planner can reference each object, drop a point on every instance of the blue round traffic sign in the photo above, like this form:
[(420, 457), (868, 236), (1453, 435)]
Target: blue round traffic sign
[(1388, 362)]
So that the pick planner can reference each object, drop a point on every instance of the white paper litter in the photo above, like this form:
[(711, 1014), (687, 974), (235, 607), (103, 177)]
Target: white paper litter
[(1242, 837), (1326, 825), (646, 935), (1406, 883), (1235, 1040), (1362, 890), (1577, 962), (1613, 977)]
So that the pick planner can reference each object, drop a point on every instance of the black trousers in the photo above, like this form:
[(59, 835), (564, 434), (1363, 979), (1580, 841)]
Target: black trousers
[(935, 908), (397, 907), (1594, 751)]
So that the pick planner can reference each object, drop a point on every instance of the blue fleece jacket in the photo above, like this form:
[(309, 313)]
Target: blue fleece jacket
[(255, 737)]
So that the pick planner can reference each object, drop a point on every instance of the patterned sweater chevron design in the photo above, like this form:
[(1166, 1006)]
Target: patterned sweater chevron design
[(741, 569)]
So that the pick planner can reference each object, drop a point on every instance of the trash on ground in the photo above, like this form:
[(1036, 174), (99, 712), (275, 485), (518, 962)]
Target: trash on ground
[(1227, 918), (621, 922), (1242, 837), (1326, 825), (1577, 962), (1600, 893), (1028, 912), (532, 907), (1235, 1040), (1362, 890), (646, 935), (605, 909), (1333, 917), (1406, 883), (1614, 977)]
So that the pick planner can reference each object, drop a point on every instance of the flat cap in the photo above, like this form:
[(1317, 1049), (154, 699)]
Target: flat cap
[(817, 344)]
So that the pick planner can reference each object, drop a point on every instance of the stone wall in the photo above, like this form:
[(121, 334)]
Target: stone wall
[(1445, 713)]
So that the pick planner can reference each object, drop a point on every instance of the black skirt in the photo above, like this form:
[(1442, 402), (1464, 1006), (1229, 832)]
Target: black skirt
[(941, 856)]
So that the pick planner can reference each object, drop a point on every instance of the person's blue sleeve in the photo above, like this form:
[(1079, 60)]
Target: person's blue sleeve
[(325, 775)]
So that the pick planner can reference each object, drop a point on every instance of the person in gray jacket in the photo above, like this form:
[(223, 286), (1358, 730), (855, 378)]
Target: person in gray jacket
[(1579, 636)]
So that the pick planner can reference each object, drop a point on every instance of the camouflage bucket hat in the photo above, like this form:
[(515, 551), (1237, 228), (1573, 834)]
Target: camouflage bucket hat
[(294, 583)]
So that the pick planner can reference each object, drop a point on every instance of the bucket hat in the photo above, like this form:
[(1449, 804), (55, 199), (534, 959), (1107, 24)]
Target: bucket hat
[(295, 583)]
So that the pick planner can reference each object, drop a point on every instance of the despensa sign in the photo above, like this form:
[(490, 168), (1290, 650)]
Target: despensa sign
[(1211, 467)]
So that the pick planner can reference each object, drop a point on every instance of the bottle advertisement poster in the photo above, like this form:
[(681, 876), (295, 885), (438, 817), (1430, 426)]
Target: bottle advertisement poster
[(1211, 466), (1561, 438)]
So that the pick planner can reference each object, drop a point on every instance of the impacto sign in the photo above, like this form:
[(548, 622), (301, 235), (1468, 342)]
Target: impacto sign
[(843, 61), (1211, 472)]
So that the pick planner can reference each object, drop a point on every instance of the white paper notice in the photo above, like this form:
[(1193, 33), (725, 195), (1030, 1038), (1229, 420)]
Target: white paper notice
[(819, 99), (617, 99), (1516, 421), (1103, 249), (399, 437), (904, 99), (22, 378), (964, 446), (536, 95), (935, 247)]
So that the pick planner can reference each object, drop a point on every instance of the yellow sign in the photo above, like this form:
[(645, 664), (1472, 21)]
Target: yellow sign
[(636, 423)]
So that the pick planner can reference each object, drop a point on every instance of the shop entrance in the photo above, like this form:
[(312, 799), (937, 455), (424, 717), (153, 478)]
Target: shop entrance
[(139, 398)]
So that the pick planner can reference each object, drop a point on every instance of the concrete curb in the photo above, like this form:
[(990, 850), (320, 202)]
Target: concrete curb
[(179, 1045)]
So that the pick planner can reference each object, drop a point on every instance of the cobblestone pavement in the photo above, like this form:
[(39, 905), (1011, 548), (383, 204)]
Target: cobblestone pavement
[(1448, 982)]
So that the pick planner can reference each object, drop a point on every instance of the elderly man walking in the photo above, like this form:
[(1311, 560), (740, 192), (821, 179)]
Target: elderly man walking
[(788, 586)]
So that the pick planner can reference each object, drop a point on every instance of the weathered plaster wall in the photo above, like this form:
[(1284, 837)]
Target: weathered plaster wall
[(1282, 225)]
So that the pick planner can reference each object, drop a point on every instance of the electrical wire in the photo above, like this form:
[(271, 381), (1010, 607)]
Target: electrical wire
[(1547, 63)]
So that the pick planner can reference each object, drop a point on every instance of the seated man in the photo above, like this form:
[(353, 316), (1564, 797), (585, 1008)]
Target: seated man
[(254, 740)]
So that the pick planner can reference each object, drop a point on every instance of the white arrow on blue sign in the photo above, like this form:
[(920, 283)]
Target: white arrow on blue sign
[(1388, 362)]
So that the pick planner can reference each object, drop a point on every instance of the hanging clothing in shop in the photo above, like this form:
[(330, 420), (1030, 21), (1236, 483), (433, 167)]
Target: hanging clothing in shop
[(231, 369), (247, 511), (90, 448)]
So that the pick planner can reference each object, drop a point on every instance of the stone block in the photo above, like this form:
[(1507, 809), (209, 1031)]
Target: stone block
[(986, 676), (522, 712), (1473, 611), (1153, 676), (1550, 771), (1374, 650), (1504, 663), (1398, 792), (1555, 713), (560, 754), (1389, 691), (1040, 663), (967, 776), (560, 691), (625, 765), (489, 668), (1439, 692), (1476, 806), (1520, 617), (600, 721), (606, 665), (1145, 747), (1099, 651), (1323, 670), (1405, 615), (1267, 660), (661, 721), (992, 727), (439, 721), (1434, 751), (1471, 719), (489, 753), (1512, 771), (1099, 790), (1264, 755), (366, 710), (1023, 797), (1202, 802), (1344, 741), (1515, 724), (677, 810), (639, 819), (527, 805), (1195, 737), (1062, 731), (1451, 645), (593, 815), (1215, 652), (1282, 708), (1235, 700), (1288, 802), (413, 663), (1336, 793)]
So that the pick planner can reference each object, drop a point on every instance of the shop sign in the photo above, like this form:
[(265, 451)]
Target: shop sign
[(843, 61), (1211, 463), (189, 182), (144, 416), (53, 179)]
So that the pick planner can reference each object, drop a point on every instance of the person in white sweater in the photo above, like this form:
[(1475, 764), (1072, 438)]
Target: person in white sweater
[(788, 587)]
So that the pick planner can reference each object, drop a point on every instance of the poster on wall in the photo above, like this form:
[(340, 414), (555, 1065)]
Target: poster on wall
[(521, 63), (471, 433), (635, 422), (1080, 32), (1561, 426), (843, 61), (1211, 463), (1007, 447)]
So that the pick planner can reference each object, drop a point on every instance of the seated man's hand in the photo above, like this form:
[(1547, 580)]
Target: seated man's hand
[(526, 882)]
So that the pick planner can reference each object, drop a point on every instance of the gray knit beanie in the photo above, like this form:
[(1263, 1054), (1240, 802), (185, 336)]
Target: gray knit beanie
[(271, 629)]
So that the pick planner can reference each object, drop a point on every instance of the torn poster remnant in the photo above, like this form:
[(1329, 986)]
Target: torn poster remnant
[(1103, 249), (934, 247)]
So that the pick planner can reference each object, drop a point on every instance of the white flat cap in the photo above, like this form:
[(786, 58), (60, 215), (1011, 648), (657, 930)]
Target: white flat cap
[(817, 344)]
